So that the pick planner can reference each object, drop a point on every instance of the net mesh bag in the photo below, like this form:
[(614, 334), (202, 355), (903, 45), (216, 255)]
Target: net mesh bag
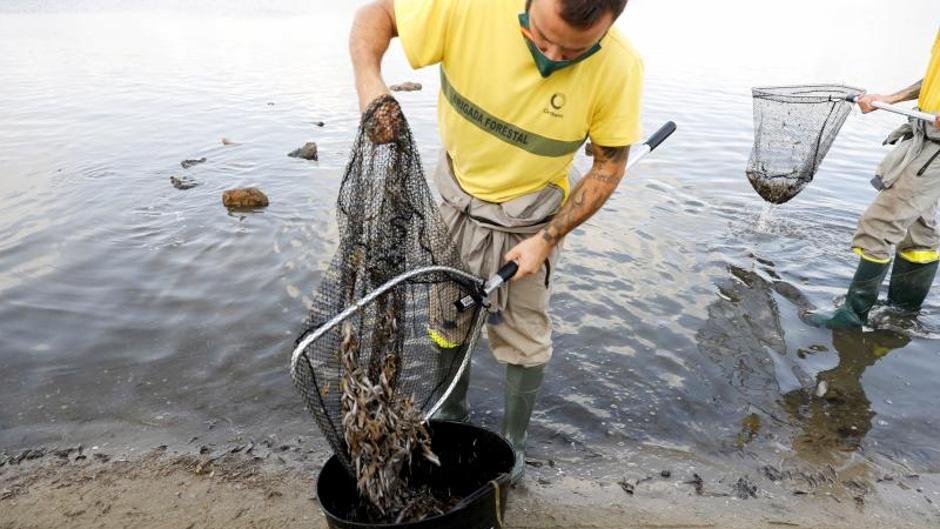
[(384, 340), (794, 126)]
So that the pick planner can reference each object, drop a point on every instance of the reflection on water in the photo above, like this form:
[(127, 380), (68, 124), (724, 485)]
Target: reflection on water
[(744, 333), (835, 413)]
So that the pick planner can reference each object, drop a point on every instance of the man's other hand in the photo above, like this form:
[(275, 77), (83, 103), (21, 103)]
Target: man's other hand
[(530, 255)]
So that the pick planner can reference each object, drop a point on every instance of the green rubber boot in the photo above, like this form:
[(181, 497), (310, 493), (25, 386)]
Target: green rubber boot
[(457, 406), (910, 283), (863, 293), (522, 388)]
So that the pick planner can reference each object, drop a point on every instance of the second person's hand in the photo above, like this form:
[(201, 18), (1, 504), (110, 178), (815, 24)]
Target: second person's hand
[(865, 102)]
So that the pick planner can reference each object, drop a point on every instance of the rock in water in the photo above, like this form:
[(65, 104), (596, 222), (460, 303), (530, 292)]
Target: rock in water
[(183, 182), (407, 86), (307, 152), (189, 163), (247, 197)]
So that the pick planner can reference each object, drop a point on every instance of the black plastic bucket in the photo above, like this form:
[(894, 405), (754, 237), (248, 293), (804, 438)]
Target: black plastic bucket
[(475, 466)]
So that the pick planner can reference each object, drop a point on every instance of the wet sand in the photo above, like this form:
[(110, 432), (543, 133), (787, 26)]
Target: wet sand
[(233, 490)]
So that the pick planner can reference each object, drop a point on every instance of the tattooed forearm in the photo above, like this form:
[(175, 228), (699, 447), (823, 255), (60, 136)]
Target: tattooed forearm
[(607, 178), (590, 193), (910, 93), (614, 154)]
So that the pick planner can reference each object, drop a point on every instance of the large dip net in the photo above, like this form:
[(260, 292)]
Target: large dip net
[(794, 126), (385, 341)]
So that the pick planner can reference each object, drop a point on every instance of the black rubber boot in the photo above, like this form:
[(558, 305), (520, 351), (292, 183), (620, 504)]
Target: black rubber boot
[(862, 295), (522, 388), (910, 283)]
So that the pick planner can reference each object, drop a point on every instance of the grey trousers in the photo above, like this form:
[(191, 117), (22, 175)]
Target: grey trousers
[(902, 217)]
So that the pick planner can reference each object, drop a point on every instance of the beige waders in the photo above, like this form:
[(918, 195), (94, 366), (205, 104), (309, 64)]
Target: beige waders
[(902, 220), (519, 330), (903, 215)]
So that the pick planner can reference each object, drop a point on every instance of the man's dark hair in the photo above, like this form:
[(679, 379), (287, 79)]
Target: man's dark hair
[(585, 13)]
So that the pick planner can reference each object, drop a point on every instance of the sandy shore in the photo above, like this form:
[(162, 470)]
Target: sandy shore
[(235, 490)]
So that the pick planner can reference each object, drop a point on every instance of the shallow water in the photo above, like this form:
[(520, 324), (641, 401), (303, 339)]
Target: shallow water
[(134, 314)]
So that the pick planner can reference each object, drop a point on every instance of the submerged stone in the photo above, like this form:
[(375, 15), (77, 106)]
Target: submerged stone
[(307, 152), (407, 86), (248, 197), (183, 182), (189, 163)]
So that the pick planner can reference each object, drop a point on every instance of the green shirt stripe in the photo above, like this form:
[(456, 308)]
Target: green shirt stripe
[(511, 134)]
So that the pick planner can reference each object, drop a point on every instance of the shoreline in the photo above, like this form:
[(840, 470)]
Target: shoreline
[(241, 487)]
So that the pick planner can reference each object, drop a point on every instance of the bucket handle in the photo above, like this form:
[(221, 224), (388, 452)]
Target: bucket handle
[(499, 514), (480, 493)]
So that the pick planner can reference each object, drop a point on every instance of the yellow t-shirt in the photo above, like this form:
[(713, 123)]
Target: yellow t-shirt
[(929, 100), (508, 130)]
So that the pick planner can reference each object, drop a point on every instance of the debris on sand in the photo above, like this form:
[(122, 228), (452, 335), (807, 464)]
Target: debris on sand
[(750, 426), (318, 123), (26, 455), (64, 453), (775, 474), (698, 483), (248, 197), (307, 152), (407, 86), (627, 486), (744, 489), (189, 163), (229, 141), (183, 182)]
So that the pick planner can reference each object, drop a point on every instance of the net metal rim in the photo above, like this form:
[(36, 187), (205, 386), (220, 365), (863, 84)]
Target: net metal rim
[(817, 93), (350, 310), (300, 350)]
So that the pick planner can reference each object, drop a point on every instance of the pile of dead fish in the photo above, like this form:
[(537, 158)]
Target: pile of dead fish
[(382, 431)]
